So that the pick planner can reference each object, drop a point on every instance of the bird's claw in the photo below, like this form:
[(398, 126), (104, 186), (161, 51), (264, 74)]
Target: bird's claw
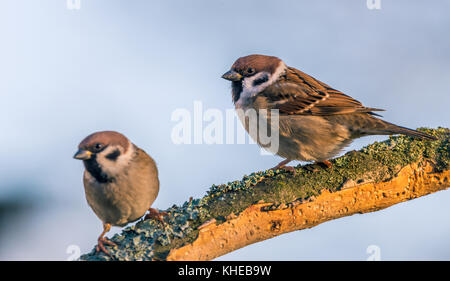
[(155, 214), (314, 168), (326, 163), (282, 165), (289, 169), (101, 245), (311, 168)]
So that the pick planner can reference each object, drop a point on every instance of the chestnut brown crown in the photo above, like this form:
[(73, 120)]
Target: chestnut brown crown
[(252, 64), (98, 141)]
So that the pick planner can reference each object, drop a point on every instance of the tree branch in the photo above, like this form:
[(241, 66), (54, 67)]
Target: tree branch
[(266, 204)]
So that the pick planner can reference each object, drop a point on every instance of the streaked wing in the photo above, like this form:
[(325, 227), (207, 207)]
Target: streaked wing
[(298, 93)]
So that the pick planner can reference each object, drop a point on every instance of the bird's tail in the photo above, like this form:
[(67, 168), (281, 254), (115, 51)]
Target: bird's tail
[(412, 133), (392, 129)]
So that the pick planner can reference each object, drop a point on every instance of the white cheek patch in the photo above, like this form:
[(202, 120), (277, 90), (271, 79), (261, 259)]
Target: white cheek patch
[(250, 90), (115, 167)]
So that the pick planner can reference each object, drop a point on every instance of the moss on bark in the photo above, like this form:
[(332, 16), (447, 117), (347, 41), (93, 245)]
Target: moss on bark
[(380, 161)]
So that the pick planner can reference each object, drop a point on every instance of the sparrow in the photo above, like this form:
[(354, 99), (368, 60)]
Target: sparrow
[(316, 121), (120, 181)]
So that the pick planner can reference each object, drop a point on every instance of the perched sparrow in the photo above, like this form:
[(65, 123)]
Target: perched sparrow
[(315, 121), (120, 180)]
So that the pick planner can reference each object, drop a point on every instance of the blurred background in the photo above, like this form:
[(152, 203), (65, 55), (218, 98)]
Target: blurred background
[(127, 65)]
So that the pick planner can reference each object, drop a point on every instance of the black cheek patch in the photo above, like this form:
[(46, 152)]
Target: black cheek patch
[(260, 80), (113, 155), (236, 90)]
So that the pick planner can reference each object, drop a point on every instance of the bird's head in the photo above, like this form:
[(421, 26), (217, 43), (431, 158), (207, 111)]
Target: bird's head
[(252, 74), (105, 154)]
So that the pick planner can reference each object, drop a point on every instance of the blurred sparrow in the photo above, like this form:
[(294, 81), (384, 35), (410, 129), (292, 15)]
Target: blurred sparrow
[(120, 180), (315, 121)]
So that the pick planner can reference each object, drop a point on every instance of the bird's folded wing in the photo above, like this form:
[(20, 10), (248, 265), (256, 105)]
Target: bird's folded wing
[(297, 93)]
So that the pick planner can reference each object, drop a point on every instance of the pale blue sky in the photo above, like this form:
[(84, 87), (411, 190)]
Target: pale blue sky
[(127, 65)]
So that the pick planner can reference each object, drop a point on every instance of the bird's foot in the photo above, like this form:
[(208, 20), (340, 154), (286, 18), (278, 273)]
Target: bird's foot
[(282, 165), (325, 163), (101, 245), (320, 164), (290, 169), (155, 214)]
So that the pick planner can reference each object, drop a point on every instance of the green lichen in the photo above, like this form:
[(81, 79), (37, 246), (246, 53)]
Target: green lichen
[(150, 240)]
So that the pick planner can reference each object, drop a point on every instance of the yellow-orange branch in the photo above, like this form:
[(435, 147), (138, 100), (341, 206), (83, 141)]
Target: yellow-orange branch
[(255, 224), (269, 203)]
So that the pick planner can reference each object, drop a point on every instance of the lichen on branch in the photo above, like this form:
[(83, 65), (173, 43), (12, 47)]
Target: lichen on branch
[(262, 204)]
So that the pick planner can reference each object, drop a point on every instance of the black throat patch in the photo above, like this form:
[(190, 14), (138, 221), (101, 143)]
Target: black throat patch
[(96, 171)]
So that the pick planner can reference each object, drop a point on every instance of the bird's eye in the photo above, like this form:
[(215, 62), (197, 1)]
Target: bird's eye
[(250, 70), (98, 146)]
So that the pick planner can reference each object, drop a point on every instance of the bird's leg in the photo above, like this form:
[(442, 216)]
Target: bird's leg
[(155, 214), (103, 240), (282, 165)]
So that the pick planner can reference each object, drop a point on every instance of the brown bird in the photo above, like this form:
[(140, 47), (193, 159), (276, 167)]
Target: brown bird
[(315, 121), (120, 180)]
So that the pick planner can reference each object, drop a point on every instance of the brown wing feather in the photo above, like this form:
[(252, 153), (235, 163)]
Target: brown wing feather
[(298, 93)]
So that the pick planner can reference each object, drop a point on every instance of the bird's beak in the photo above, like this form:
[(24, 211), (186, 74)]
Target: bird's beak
[(82, 154), (232, 76)]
